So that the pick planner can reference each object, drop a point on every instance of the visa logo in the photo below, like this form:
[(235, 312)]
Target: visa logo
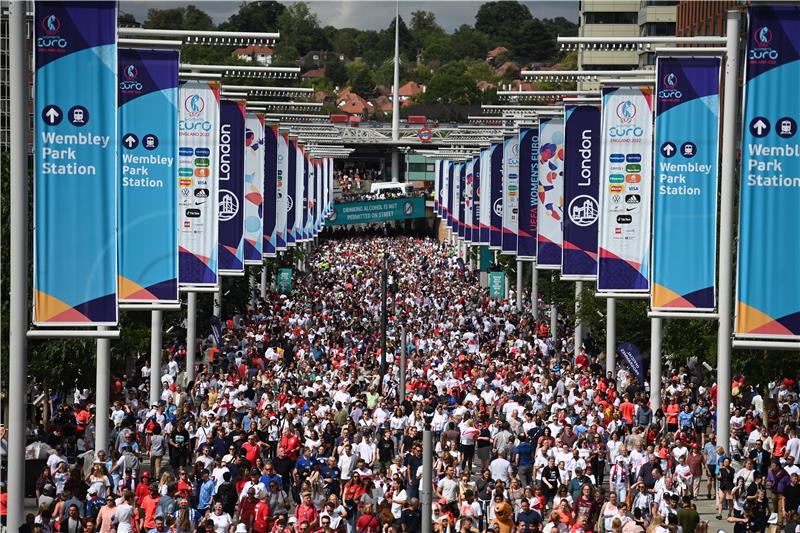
[(616, 158), (185, 151), (634, 158), (633, 178), (202, 152), (633, 168), (616, 188), (616, 178)]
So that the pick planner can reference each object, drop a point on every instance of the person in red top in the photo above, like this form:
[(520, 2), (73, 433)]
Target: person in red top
[(247, 507), (149, 505), (290, 444), (262, 516), (306, 512), (367, 522), (143, 488), (252, 448), (779, 443), (627, 409), (82, 417), (672, 415)]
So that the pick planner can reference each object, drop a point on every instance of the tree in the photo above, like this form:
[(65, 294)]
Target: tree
[(300, 28), (179, 18), (533, 41), (469, 43), (384, 75), (343, 41), (255, 16), (360, 78), (196, 19), (336, 72), (501, 19), (127, 20)]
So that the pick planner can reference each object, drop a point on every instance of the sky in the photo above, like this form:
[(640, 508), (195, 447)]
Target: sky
[(367, 14)]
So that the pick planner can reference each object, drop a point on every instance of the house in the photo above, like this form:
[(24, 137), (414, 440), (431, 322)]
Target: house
[(260, 54), (491, 55), (317, 58), (353, 104), (314, 74), (507, 68), (383, 103), (484, 86), (408, 92), (320, 96)]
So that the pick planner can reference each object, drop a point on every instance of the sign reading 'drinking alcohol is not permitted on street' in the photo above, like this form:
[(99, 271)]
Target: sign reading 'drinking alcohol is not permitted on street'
[(376, 211)]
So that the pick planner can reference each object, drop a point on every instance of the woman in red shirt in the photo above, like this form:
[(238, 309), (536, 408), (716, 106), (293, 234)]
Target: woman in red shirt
[(368, 522)]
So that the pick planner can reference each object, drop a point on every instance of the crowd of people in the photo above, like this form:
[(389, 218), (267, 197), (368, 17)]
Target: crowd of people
[(349, 179), (291, 426)]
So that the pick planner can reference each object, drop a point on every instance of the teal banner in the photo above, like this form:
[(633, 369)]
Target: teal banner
[(284, 280), (376, 211), (497, 285)]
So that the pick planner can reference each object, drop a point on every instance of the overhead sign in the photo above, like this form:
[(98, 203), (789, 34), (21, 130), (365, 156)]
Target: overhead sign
[(549, 234), (148, 194), (528, 191), (75, 214), (231, 187), (768, 287), (686, 175), (284, 280), (425, 135), (376, 211), (627, 139), (581, 190)]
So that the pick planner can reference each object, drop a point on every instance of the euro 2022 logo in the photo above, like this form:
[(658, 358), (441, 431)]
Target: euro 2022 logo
[(130, 83), (51, 25), (194, 105), (626, 111), (762, 46), (670, 90)]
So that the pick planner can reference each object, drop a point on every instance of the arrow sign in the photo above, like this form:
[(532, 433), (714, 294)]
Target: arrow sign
[(130, 141), (668, 149), (51, 114), (759, 126)]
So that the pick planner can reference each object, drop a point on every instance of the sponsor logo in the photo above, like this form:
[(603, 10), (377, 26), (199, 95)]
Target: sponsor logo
[(194, 104), (228, 205), (617, 233), (185, 191), (202, 162), (201, 193), (633, 178), (615, 198), (633, 168), (185, 182), (624, 219), (626, 111), (185, 172), (202, 152), (201, 172), (185, 151), (583, 210), (633, 188), (616, 158), (633, 158), (632, 199), (187, 223), (616, 178), (616, 188), (202, 183), (498, 207), (193, 213)]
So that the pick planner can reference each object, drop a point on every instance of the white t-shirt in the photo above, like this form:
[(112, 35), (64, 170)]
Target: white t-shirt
[(221, 522), (500, 468), (449, 489)]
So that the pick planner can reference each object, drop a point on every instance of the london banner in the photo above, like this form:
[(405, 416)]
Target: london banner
[(231, 187), (281, 192), (581, 188), (198, 149), (768, 287), (270, 190), (148, 194), (496, 197), (685, 193), (549, 234), (528, 191), (510, 194), (75, 215), (254, 188), (624, 238)]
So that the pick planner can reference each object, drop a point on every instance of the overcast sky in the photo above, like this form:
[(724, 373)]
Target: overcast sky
[(368, 14)]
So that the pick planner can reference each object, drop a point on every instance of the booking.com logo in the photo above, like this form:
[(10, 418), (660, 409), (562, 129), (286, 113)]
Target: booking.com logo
[(761, 50), (51, 26)]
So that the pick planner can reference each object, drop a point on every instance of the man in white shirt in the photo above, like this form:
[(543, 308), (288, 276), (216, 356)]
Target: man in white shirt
[(500, 468)]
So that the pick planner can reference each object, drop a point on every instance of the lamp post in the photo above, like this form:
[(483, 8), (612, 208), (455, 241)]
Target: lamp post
[(384, 319)]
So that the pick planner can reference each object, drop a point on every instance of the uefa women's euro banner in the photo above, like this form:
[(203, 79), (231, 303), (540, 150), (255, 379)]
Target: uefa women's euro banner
[(551, 192), (485, 204), (270, 190), (253, 188), (581, 188), (148, 194), (75, 214), (198, 167), (231, 187), (627, 144), (282, 190), (768, 287), (510, 193), (291, 191), (528, 191), (685, 184), (496, 196), (469, 181)]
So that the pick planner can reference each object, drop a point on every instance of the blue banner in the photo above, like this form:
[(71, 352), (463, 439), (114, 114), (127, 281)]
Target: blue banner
[(475, 223), (528, 191), (496, 196), (469, 193), (452, 195), (148, 194), (270, 190), (768, 288), (462, 196), (581, 190), (231, 187), (686, 172), (485, 205), (291, 190), (629, 353), (75, 212)]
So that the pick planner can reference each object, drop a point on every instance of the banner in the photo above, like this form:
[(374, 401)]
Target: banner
[(497, 285), (686, 175), (627, 138), (475, 223), (148, 194), (510, 193), (469, 192), (768, 288), (485, 206), (270, 190), (437, 188), (462, 197), (376, 211), (283, 281), (231, 187), (281, 190), (528, 191), (291, 190), (308, 179), (299, 194), (496, 196), (75, 215), (452, 196), (581, 190), (550, 212), (254, 188), (629, 353)]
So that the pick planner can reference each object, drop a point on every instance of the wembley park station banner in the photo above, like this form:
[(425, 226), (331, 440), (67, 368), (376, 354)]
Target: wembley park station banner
[(376, 211)]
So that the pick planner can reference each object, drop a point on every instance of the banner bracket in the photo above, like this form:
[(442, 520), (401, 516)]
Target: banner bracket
[(73, 333), (753, 344), (141, 306), (623, 295), (683, 314)]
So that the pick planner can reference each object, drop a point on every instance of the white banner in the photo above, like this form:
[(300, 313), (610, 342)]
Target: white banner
[(510, 194), (549, 214), (283, 172), (198, 149), (625, 189), (253, 188), (299, 208)]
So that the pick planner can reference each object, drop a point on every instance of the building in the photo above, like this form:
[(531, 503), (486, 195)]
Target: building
[(492, 55), (420, 168), (407, 92), (318, 58), (314, 74), (260, 54), (353, 104), (702, 17)]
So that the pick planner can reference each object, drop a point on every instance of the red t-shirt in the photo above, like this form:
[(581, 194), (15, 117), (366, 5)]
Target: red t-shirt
[(779, 444), (261, 516), (149, 505), (627, 409), (252, 451), (248, 509)]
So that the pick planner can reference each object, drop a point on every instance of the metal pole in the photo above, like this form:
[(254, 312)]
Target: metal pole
[(18, 293), (102, 386), (520, 266), (383, 324), (611, 333), (655, 363), (403, 364), (534, 292), (218, 300), (264, 282), (155, 356), (396, 97), (578, 324), (191, 335), (726, 201), (426, 498), (553, 320)]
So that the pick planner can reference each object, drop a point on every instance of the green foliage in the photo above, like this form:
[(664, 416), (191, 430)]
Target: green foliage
[(300, 28), (360, 78), (186, 18), (336, 72), (469, 43), (500, 19), (255, 16), (126, 20), (384, 75)]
